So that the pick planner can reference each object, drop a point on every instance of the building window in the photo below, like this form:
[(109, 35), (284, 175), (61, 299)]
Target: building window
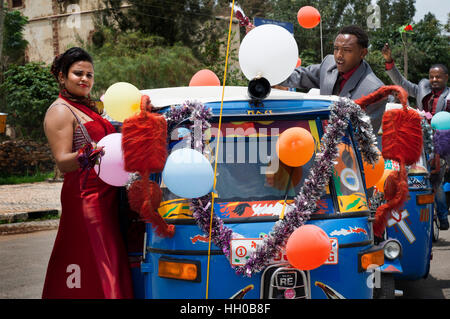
[(17, 3)]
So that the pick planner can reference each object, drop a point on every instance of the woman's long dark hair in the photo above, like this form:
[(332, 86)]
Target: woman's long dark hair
[(62, 63)]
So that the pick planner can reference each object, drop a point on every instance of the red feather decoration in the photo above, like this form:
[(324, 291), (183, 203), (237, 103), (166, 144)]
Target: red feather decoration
[(402, 142), (144, 139), (402, 136)]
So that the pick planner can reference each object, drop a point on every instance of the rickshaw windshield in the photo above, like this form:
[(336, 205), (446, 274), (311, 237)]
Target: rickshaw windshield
[(247, 164), (248, 169)]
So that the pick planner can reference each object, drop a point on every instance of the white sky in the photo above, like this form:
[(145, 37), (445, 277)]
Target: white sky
[(440, 8)]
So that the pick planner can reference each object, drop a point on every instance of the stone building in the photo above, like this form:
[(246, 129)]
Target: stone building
[(55, 25)]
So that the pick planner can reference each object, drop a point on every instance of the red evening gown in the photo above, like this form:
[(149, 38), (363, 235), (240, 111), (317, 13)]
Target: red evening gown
[(89, 259)]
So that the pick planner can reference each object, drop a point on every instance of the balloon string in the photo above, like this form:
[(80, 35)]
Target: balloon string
[(217, 148)]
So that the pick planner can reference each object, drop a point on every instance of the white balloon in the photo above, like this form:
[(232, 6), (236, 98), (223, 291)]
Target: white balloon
[(269, 51)]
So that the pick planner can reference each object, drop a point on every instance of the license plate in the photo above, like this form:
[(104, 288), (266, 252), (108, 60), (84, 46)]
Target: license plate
[(286, 280), (242, 248)]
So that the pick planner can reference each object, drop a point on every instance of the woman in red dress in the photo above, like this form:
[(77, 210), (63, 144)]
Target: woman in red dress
[(89, 258)]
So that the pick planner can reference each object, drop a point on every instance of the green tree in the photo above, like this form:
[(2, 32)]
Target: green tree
[(14, 44), (176, 21), (29, 90), (396, 12)]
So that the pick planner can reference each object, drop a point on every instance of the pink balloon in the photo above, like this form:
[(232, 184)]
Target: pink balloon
[(204, 77), (111, 169)]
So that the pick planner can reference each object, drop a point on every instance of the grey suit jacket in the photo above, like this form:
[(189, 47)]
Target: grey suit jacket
[(419, 91), (323, 76)]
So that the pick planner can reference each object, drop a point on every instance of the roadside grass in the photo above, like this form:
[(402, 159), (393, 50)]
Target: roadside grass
[(28, 178), (31, 217)]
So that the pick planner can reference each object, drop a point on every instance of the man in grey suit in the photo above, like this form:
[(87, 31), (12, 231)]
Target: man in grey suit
[(345, 74), (432, 94)]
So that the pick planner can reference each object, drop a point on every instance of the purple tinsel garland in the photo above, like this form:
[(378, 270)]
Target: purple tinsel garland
[(305, 203)]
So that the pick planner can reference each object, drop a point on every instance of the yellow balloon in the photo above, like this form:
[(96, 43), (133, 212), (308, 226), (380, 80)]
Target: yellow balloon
[(122, 100)]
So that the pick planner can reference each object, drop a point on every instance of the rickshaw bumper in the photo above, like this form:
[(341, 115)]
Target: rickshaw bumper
[(391, 266)]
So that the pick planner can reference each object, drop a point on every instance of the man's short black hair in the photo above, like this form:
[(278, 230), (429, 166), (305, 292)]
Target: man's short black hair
[(440, 66), (363, 38)]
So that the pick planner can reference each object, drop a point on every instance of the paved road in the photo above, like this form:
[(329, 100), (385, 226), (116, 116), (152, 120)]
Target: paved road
[(24, 258), (23, 263), (437, 284)]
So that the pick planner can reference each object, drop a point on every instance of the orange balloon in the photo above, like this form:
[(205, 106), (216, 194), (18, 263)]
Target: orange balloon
[(295, 146), (299, 62), (204, 78), (308, 17), (308, 247), (373, 172), (380, 184)]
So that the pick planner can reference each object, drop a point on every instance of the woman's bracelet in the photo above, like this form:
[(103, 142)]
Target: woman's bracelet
[(88, 155)]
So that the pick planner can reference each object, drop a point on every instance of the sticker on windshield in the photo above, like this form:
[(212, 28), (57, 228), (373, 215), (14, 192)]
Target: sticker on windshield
[(349, 179)]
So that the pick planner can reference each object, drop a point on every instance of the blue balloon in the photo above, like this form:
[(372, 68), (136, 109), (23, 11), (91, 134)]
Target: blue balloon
[(182, 132), (441, 121), (188, 173)]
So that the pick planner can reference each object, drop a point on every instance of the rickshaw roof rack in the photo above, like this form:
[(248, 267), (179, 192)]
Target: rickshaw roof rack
[(163, 97)]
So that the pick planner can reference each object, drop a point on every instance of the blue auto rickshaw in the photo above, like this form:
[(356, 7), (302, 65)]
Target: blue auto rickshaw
[(250, 198), (411, 230)]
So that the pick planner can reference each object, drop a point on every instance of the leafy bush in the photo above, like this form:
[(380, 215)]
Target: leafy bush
[(28, 90)]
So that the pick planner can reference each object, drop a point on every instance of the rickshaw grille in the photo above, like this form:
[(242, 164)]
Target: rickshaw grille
[(284, 282)]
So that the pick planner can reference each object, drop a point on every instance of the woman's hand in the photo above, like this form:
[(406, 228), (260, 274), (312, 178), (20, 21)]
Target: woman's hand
[(146, 103), (249, 27)]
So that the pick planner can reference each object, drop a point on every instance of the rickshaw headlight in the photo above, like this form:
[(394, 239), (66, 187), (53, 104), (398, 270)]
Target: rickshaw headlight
[(392, 249)]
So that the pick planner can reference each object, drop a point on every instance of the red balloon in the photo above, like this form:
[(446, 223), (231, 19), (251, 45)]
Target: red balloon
[(299, 62), (295, 146), (308, 17), (308, 247), (381, 182), (204, 78), (373, 172)]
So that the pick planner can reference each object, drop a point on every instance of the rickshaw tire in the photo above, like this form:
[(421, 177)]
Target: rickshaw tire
[(387, 287), (436, 226)]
